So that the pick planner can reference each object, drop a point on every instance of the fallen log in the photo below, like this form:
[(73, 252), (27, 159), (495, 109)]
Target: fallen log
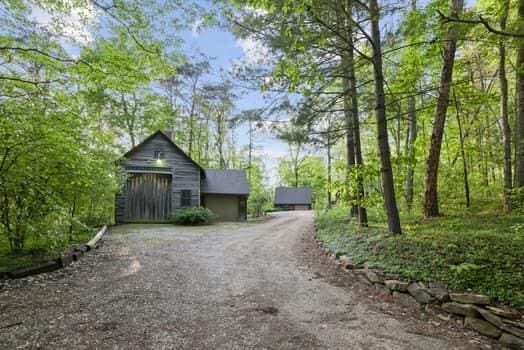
[(92, 243)]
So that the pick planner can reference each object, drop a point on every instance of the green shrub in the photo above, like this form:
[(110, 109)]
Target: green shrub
[(192, 216), (273, 210)]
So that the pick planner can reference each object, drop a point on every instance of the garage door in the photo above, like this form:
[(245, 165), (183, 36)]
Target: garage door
[(301, 207), (225, 207), (148, 198)]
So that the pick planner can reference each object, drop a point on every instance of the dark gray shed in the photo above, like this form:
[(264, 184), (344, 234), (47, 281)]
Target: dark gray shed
[(293, 198)]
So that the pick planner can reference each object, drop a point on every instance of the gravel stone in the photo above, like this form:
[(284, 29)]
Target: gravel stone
[(225, 286)]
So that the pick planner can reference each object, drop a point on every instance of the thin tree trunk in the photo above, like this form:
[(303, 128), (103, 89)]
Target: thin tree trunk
[(462, 152), (519, 120), (329, 180), (411, 138), (431, 207), (250, 154), (388, 184), (504, 114), (410, 152), (191, 132), (72, 213)]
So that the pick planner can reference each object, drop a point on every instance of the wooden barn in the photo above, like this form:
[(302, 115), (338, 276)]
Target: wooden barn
[(293, 198), (162, 179)]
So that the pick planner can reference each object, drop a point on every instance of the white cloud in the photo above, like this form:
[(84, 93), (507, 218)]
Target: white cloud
[(255, 51), (72, 27), (196, 27)]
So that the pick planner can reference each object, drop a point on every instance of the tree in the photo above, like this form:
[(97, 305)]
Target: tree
[(382, 128), (351, 111), (504, 113), (519, 119), (431, 207)]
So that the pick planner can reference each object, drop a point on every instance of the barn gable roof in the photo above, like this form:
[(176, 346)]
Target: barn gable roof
[(293, 195), (225, 181), (168, 139)]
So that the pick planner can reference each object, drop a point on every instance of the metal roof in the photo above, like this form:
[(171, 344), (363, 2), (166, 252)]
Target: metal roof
[(293, 195), (225, 181)]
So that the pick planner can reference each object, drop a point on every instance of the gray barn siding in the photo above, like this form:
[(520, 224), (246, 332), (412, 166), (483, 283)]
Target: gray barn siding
[(120, 202), (185, 174)]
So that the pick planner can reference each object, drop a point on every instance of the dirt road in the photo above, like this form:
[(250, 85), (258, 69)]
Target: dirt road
[(227, 286)]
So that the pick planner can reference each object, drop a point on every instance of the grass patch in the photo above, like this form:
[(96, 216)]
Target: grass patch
[(38, 249), (482, 252)]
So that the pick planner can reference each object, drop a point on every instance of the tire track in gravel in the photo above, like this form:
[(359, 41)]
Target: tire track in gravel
[(226, 286)]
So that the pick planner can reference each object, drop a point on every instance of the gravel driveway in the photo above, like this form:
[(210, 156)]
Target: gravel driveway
[(227, 286)]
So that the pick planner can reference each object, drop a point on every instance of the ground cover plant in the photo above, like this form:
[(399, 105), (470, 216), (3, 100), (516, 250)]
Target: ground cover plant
[(478, 252), (39, 249)]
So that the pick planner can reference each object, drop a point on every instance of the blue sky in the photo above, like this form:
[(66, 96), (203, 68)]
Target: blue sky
[(215, 42), (226, 50)]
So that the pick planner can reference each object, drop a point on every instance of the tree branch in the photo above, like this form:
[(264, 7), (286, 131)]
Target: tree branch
[(482, 21)]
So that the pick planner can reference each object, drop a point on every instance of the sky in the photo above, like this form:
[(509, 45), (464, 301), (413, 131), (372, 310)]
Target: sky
[(215, 42), (226, 51)]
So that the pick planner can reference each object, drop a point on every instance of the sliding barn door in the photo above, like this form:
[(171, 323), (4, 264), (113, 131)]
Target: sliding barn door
[(148, 197)]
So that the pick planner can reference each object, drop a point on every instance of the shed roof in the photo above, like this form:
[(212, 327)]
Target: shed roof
[(293, 195), (225, 181)]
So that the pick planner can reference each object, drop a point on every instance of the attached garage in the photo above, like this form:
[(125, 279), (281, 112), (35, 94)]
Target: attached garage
[(225, 193), (226, 207)]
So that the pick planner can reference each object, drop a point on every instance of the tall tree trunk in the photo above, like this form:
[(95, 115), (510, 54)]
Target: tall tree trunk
[(431, 207), (351, 114), (388, 184), (350, 143), (411, 138), (519, 120)]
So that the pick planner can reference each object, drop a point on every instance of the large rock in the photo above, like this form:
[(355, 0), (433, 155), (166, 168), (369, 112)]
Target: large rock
[(399, 286), (346, 262), (419, 293), (482, 327), (511, 341), (65, 259), (391, 276), (514, 323), (505, 313), (491, 318), (438, 285), (439, 293), (361, 276), (460, 309), (466, 298), (405, 299), (514, 330), (373, 276)]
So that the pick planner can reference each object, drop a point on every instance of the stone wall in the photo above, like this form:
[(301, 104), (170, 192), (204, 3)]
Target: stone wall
[(473, 311)]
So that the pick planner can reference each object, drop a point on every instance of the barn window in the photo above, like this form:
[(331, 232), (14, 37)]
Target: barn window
[(185, 199), (159, 155)]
